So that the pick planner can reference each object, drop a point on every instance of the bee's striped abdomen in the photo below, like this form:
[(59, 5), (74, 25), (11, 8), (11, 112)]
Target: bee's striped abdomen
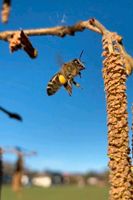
[(53, 85)]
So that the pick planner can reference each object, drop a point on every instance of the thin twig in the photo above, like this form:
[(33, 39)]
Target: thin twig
[(96, 24), (10, 114)]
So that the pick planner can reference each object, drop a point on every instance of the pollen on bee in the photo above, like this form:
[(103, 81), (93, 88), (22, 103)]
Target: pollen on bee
[(35, 53), (62, 79)]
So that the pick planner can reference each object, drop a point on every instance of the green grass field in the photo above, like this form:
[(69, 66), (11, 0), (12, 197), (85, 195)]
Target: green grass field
[(58, 193)]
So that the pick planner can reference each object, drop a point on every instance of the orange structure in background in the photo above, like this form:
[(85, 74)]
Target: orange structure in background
[(19, 168), (18, 172)]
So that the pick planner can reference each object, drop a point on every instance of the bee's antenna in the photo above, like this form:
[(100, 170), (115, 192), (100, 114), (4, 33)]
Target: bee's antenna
[(81, 54)]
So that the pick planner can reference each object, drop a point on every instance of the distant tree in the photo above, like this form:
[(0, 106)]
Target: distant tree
[(19, 168)]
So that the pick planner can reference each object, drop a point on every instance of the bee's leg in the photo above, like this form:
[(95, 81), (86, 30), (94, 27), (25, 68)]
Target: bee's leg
[(68, 87), (80, 74), (76, 84)]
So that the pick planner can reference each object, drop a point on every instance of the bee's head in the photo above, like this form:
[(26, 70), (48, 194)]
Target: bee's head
[(78, 64)]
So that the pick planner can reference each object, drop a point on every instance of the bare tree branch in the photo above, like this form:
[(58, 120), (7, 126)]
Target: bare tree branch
[(59, 31)]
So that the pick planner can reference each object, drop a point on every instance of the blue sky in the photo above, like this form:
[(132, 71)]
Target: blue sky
[(69, 133)]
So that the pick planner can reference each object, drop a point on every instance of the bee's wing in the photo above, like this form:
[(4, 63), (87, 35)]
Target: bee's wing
[(53, 85), (59, 60)]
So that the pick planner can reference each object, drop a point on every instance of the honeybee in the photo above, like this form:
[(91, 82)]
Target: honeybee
[(65, 77)]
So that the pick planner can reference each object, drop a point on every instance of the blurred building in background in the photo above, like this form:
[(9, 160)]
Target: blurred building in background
[(53, 178)]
